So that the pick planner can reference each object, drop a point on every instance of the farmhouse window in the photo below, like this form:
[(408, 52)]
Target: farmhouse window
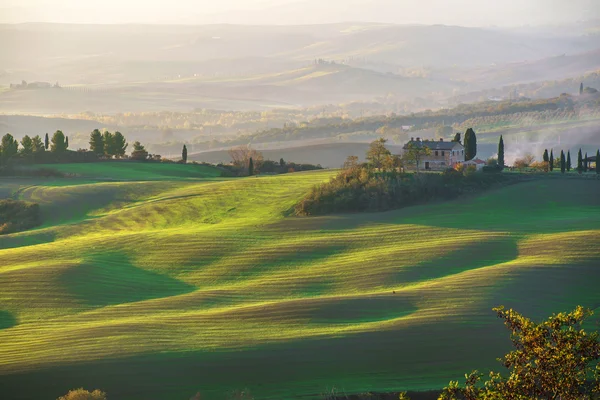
[(436, 153)]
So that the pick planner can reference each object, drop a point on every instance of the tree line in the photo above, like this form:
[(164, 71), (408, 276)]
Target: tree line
[(103, 145), (562, 163)]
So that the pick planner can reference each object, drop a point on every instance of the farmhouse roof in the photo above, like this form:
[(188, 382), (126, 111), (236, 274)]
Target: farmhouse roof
[(475, 161), (433, 144), (591, 158)]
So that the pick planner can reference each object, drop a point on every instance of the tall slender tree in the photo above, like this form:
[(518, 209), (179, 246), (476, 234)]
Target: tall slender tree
[(456, 137), (569, 164), (581, 88), (579, 162), (545, 156), (250, 167), (563, 163), (501, 152), (585, 163), (66, 142), (96, 143), (184, 154), (470, 144), (551, 161), (46, 142), (597, 161)]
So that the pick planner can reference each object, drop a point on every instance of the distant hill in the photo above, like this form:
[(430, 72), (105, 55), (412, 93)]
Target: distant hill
[(300, 87), (65, 52)]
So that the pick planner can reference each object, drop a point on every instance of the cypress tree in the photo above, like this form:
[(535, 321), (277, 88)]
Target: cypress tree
[(585, 163), (250, 167), (66, 142), (551, 162), (545, 156), (281, 162), (456, 137), (569, 165), (579, 162), (597, 160), (563, 163), (470, 144), (581, 88), (46, 142), (501, 152), (184, 154)]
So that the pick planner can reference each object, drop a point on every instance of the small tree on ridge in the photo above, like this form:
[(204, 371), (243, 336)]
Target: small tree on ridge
[(501, 152)]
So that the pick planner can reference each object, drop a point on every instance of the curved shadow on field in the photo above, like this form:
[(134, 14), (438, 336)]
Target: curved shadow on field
[(414, 358), (27, 238), (362, 309), (111, 278), (7, 320), (472, 256)]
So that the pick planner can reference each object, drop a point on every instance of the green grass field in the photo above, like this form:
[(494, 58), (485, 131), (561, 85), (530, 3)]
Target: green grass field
[(160, 288)]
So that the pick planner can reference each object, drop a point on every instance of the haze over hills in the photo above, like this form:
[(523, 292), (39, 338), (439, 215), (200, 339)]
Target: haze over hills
[(280, 12), (121, 68)]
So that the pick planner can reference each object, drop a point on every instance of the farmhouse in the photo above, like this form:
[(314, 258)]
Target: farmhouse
[(443, 155)]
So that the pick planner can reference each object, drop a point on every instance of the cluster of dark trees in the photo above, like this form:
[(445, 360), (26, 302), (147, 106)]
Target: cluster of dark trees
[(33, 149), (16, 216), (564, 162), (103, 146), (108, 145), (361, 189)]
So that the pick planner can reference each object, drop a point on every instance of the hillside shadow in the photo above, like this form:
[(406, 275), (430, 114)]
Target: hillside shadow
[(111, 278), (7, 320), (27, 238), (464, 258), (362, 309)]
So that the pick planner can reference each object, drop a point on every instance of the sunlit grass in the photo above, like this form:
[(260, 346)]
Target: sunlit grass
[(217, 269)]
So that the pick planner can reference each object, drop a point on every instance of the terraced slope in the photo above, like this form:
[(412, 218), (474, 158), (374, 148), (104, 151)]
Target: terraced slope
[(161, 289)]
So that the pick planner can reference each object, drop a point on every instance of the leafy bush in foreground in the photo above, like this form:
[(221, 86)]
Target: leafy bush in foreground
[(361, 189), (555, 359), (17, 215), (82, 394)]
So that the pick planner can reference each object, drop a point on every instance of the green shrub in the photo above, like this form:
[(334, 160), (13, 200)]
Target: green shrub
[(360, 189), (17, 216)]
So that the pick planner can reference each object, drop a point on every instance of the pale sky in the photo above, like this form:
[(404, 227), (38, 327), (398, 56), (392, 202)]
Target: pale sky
[(457, 12)]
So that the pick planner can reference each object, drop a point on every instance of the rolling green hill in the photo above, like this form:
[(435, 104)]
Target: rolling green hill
[(159, 289)]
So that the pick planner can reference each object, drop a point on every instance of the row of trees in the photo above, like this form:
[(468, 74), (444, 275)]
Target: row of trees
[(102, 145), (9, 147), (564, 163)]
